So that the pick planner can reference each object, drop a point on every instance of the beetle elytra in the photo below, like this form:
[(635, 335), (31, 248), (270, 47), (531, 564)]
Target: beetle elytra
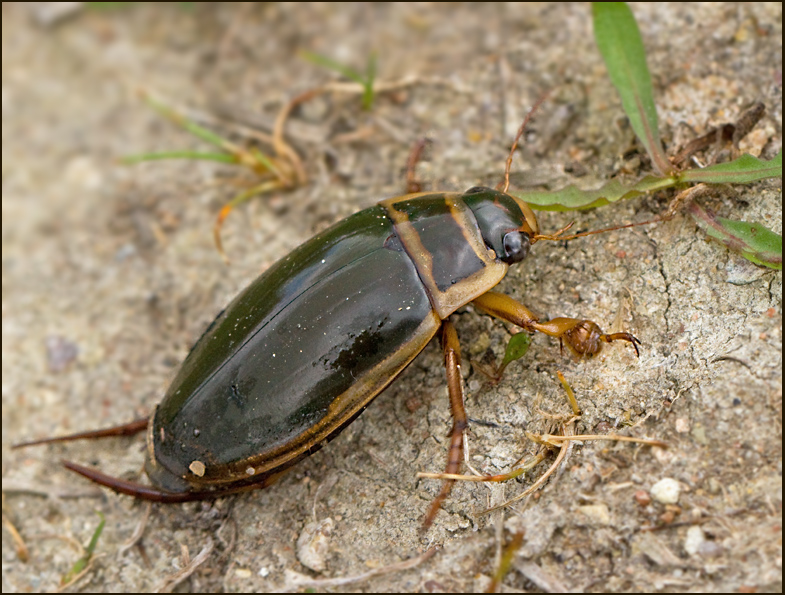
[(303, 350)]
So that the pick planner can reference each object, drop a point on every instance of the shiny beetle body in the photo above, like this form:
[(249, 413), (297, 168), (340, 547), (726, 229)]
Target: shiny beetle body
[(304, 349)]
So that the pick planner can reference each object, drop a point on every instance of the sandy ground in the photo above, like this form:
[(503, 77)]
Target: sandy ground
[(110, 274)]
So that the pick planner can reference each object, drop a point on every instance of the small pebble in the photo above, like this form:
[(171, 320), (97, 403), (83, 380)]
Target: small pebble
[(597, 513), (666, 491), (242, 573), (694, 540), (314, 543)]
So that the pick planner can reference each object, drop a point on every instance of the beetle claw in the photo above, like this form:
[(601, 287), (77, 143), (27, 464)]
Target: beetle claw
[(624, 337)]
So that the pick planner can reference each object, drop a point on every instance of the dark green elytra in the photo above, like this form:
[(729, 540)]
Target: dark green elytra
[(303, 350)]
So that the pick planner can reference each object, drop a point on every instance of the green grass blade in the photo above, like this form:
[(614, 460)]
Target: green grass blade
[(753, 241), (263, 159), (572, 198), (621, 46), (331, 64), (96, 534), (365, 80), (743, 170), (81, 563), (220, 157), (185, 123), (370, 76)]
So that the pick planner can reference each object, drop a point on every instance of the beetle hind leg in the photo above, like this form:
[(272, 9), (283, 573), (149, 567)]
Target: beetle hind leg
[(128, 429), (583, 337), (130, 488), (452, 364), (154, 494)]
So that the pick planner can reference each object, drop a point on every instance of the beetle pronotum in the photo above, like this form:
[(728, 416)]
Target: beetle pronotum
[(304, 349)]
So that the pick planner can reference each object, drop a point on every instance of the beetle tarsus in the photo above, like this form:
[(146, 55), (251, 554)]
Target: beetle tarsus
[(583, 337), (623, 337)]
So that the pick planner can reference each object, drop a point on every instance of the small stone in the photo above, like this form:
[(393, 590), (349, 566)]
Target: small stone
[(197, 468), (699, 434), (694, 540), (313, 544), (682, 425), (666, 491), (597, 513)]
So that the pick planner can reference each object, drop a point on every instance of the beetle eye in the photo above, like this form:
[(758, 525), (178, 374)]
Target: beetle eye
[(476, 189), (516, 247)]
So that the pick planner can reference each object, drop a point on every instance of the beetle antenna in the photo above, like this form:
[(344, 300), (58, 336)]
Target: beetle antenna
[(553, 236), (503, 186), (683, 197), (680, 199), (557, 236)]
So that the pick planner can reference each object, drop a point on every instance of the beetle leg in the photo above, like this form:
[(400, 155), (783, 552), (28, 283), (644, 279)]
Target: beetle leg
[(452, 363), (131, 488), (153, 494), (583, 337), (128, 429)]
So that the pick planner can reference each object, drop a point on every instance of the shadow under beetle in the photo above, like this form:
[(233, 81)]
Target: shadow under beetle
[(301, 352)]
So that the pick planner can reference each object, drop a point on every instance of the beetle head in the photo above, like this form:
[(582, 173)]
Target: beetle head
[(507, 224)]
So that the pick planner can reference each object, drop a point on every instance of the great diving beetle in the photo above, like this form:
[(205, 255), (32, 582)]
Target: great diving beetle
[(301, 352)]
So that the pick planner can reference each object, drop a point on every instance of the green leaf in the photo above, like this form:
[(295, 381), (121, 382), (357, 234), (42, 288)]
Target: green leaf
[(743, 170), (753, 241), (517, 347), (571, 197), (620, 44)]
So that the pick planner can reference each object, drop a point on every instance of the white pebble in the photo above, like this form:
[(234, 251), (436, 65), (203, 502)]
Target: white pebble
[(694, 540), (314, 544), (666, 491)]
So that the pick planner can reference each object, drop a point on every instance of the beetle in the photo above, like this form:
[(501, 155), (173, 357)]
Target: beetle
[(304, 349)]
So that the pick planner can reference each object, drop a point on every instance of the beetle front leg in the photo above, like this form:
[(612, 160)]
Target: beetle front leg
[(452, 364), (583, 337)]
